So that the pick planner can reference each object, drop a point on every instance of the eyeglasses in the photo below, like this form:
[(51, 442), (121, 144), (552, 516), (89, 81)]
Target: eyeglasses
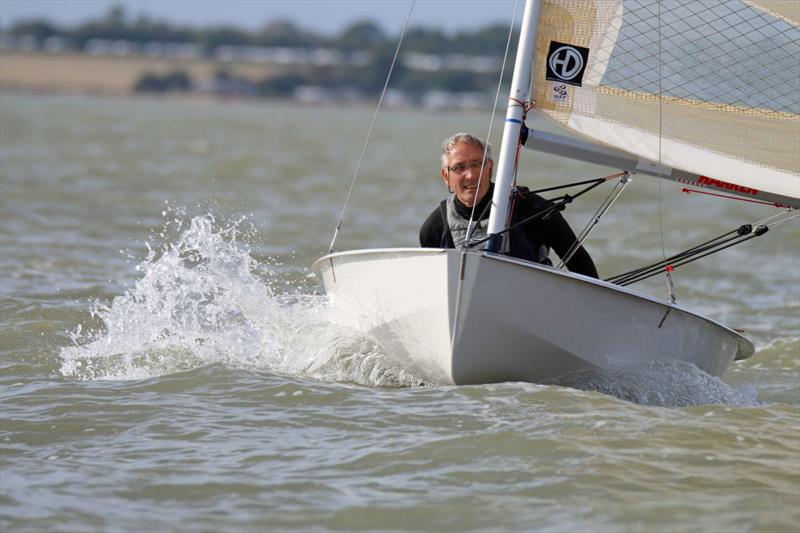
[(462, 168)]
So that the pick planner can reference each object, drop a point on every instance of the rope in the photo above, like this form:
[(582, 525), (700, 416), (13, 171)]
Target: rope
[(726, 240), (372, 125), (557, 203), (729, 197)]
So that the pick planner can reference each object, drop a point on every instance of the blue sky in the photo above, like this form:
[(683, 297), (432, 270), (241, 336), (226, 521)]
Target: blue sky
[(325, 16)]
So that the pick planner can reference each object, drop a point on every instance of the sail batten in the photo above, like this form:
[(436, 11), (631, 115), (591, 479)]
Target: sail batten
[(711, 88)]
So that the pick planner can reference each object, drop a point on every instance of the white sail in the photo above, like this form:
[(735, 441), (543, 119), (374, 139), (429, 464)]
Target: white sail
[(710, 88)]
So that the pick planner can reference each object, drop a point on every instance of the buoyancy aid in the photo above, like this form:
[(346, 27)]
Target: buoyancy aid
[(524, 242), (459, 226)]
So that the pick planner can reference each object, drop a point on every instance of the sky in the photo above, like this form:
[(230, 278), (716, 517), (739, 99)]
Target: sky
[(324, 16)]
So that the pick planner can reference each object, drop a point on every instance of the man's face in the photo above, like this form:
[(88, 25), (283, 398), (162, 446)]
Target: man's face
[(463, 173)]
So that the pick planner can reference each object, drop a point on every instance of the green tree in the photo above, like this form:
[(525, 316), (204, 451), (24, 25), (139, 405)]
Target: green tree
[(174, 81), (149, 83), (490, 40), (362, 35), (38, 29), (285, 33), (211, 38), (177, 80), (283, 85), (426, 40), (115, 17), (371, 78)]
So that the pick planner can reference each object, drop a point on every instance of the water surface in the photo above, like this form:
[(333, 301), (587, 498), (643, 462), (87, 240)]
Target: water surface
[(167, 361)]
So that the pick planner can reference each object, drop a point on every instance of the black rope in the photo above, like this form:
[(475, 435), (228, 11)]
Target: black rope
[(741, 230), (557, 203), (739, 235), (595, 182)]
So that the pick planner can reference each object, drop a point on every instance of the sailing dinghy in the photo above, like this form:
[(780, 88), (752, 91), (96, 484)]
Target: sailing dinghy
[(707, 94)]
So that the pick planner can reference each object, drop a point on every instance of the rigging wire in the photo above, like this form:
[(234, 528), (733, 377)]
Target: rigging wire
[(625, 179), (460, 286), (470, 226), (554, 204), (729, 197), (739, 235), (668, 268), (372, 125)]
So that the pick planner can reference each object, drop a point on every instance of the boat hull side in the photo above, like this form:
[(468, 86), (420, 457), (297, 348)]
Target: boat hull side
[(563, 323), (398, 298), (511, 320)]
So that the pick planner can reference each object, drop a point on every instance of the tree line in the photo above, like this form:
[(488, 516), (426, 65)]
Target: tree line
[(364, 35), (361, 35)]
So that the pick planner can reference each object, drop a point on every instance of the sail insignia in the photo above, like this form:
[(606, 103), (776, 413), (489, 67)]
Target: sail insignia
[(566, 63)]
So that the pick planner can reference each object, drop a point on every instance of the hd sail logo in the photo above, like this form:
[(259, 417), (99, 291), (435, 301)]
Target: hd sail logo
[(566, 63)]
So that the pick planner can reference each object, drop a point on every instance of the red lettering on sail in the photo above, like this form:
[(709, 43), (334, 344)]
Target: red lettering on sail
[(705, 180)]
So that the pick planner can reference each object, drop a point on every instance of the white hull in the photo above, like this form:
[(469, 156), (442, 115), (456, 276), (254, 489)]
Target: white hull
[(510, 320)]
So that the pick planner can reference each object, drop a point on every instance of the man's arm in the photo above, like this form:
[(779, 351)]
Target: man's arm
[(561, 239)]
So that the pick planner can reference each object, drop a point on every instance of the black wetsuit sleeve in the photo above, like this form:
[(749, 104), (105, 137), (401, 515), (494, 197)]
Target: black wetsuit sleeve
[(430, 234), (561, 238)]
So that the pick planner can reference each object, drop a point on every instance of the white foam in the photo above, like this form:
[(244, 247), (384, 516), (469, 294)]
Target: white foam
[(662, 382), (203, 300)]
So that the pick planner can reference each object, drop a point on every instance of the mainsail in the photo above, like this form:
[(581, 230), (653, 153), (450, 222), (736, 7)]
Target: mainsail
[(708, 87)]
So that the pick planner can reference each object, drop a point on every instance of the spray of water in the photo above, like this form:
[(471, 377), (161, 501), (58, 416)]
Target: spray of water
[(202, 299)]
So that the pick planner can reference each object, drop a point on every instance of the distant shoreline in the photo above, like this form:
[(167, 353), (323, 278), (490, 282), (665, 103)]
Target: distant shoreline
[(106, 75)]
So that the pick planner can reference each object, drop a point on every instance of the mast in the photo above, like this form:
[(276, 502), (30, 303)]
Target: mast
[(520, 91)]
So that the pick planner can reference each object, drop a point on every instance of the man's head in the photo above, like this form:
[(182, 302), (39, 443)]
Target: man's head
[(462, 158)]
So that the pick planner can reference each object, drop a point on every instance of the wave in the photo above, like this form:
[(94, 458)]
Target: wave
[(662, 382)]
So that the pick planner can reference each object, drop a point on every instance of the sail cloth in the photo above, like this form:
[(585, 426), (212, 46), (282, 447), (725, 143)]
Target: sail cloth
[(708, 87)]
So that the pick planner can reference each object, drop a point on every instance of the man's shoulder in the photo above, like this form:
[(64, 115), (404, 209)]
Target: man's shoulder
[(430, 234)]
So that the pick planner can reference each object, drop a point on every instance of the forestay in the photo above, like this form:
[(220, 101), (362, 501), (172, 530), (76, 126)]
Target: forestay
[(710, 88)]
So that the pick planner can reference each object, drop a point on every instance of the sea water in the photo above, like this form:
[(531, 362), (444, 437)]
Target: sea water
[(169, 361)]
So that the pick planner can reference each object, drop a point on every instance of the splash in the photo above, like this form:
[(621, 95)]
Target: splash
[(663, 382), (202, 299)]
